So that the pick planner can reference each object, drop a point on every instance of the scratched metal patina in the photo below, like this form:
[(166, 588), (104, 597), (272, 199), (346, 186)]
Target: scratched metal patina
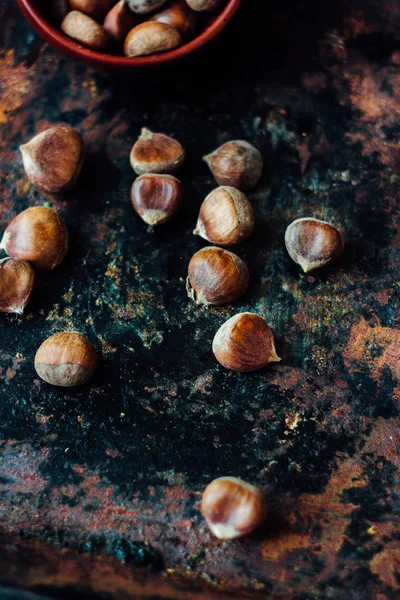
[(113, 472)]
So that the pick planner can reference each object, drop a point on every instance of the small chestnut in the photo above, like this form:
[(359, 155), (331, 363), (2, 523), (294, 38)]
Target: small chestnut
[(38, 235), (245, 342), (17, 279), (312, 243), (151, 37), (118, 22), (156, 198), (53, 158), (85, 30), (226, 217), (177, 14), (204, 5), (66, 359), (236, 163), (216, 276), (93, 8), (232, 507), (156, 153), (144, 6)]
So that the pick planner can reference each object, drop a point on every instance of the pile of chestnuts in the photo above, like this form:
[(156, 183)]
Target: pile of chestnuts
[(36, 240), (131, 27)]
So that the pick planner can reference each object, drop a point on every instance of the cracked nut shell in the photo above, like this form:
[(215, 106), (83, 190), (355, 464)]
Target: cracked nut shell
[(156, 197), (156, 153), (245, 342), (53, 159), (38, 235), (216, 276), (312, 243), (232, 507), (66, 359), (17, 279), (236, 163), (226, 217)]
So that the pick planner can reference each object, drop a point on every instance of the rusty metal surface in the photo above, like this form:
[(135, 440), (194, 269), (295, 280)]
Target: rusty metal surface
[(112, 473)]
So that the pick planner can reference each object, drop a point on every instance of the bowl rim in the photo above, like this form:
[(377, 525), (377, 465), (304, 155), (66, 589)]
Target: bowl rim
[(59, 40)]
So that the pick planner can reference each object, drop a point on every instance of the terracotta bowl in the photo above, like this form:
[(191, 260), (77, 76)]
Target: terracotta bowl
[(214, 25)]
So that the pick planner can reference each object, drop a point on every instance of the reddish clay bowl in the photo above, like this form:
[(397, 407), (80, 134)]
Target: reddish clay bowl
[(58, 40)]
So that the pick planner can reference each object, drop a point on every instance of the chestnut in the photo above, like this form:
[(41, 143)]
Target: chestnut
[(312, 243), (156, 198), (85, 30), (177, 14), (144, 6), (17, 279), (156, 153), (236, 163), (151, 37), (232, 507), (226, 217), (245, 342), (118, 22), (38, 235), (53, 159), (216, 276), (66, 359), (204, 5), (93, 8)]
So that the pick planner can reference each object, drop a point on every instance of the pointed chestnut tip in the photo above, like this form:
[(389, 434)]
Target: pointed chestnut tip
[(207, 158), (145, 134)]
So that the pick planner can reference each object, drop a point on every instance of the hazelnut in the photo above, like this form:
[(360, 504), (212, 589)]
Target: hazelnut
[(38, 235), (144, 6), (312, 243), (93, 8), (118, 22), (53, 159), (17, 279), (216, 276), (245, 342), (156, 198), (151, 37), (85, 30), (156, 153), (226, 217), (232, 507), (177, 14), (66, 359), (236, 163), (204, 5)]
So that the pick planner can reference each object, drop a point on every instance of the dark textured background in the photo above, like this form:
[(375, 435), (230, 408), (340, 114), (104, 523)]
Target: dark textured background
[(112, 473)]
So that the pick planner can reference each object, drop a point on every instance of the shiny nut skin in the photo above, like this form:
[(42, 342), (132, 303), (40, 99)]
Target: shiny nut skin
[(205, 5), (66, 360), (226, 217), (312, 243), (245, 342), (53, 158), (85, 30), (236, 163), (17, 279), (93, 8), (156, 153), (151, 37), (232, 507), (177, 14), (157, 198), (144, 7), (216, 276), (38, 235), (118, 22)]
